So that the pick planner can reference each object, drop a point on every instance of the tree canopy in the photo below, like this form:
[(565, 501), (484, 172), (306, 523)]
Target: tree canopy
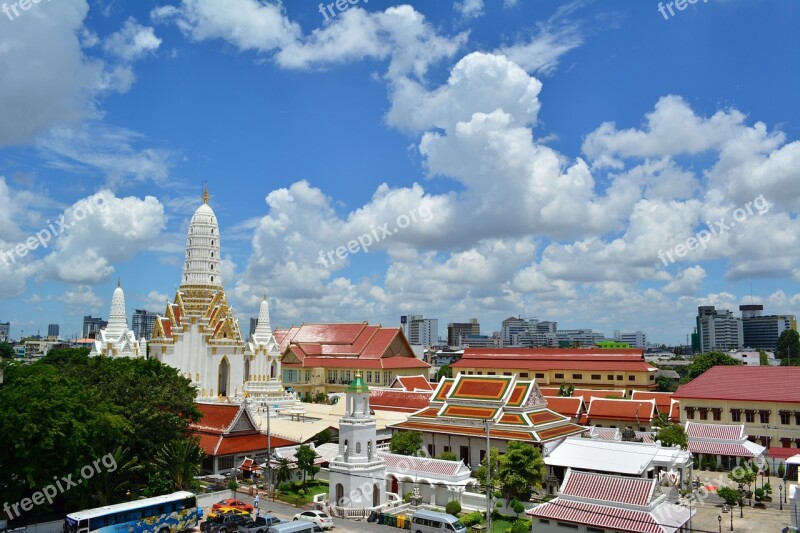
[(305, 461), (6, 350), (406, 442), (521, 470), (672, 434), (68, 411), (704, 361), (789, 346)]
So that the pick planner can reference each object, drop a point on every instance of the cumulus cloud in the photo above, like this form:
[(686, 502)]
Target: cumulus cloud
[(133, 41)]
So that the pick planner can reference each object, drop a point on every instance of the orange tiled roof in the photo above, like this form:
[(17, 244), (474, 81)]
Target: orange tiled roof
[(411, 383), (399, 400), (629, 410), (570, 407), (663, 399)]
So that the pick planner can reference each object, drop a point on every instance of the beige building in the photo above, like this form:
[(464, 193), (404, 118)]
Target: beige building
[(325, 357), (766, 400)]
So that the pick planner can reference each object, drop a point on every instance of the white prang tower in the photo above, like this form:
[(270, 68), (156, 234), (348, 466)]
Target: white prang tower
[(357, 475)]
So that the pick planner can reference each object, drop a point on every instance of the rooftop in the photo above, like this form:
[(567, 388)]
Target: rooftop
[(745, 383)]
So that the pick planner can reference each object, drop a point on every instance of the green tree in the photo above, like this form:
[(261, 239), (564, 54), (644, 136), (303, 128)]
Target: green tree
[(323, 437), (180, 462), (730, 495), (494, 465), (520, 526), (665, 384), (762, 358), (704, 361), (6, 351), (447, 456), (406, 442), (672, 434), (453, 507), (305, 461), (283, 472), (445, 371), (516, 506), (109, 486), (788, 345), (521, 470)]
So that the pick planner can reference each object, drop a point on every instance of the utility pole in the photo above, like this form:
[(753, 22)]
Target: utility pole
[(488, 479), (269, 456)]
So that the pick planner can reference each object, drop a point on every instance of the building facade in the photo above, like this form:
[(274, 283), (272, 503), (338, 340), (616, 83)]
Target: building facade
[(420, 331), (456, 331), (635, 339), (52, 331), (143, 323), (588, 368), (516, 331), (5, 331), (718, 330), (326, 357), (579, 338), (762, 332), (764, 399), (91, 325)]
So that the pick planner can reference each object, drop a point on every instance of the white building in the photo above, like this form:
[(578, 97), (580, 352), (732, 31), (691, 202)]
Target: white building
[(199, 334), (116, 340), (421, 331), (5, 331), (635, 339), (358, 474), (718, 329), (753, 357)]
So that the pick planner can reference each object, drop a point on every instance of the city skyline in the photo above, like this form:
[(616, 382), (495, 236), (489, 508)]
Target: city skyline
[(619, 168)]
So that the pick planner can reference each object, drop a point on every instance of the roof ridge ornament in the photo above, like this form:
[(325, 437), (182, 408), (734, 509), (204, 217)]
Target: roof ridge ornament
[(206, 196)]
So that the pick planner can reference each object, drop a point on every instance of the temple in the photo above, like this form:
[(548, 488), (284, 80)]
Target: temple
[(199, 334), (116, 340)]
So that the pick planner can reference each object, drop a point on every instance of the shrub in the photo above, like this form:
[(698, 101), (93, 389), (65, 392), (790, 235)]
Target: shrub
[(521, 526), (516, 506), (453, 507), (233, 485), (781, 470), (407, 497), (759, 494), (301, 492), (286, 487), (471, 519)]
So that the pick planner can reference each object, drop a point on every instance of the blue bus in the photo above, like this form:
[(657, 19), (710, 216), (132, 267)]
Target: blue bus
[(170, 513)]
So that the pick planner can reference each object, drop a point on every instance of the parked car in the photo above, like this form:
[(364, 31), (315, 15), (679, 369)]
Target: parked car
[(319, 518), (233, 502), (259, 524), (228, 523), (227, 510)]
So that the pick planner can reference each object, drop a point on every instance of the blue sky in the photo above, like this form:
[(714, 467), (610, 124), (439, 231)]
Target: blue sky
[(551, 153)]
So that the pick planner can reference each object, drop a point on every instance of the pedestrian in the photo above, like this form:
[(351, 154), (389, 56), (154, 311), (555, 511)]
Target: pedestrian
[(255, 502)]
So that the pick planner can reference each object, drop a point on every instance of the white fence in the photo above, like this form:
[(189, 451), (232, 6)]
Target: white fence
[(210, 498)]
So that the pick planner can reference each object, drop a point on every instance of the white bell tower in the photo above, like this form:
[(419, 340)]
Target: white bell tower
[(357, 475)]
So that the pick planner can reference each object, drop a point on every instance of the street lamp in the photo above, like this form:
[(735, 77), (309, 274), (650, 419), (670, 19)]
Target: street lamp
[(741, 504), (719, 521), (780, 497), (731, 519)]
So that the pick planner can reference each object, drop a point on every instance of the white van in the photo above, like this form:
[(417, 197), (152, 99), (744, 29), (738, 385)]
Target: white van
[(297, 526), (433, 522)]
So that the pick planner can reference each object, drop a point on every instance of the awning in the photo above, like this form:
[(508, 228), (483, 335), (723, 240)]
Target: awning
[(793, 460), (734, 449)]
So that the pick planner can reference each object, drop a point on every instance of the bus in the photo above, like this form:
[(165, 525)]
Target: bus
[(169, 513)]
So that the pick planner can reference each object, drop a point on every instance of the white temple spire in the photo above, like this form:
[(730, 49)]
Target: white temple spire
[(202, 248), (263, 328), (117, 318)]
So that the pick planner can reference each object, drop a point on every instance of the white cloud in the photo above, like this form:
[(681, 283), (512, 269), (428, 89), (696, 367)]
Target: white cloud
[(80, 299), (688, 282), (133, 41), (469, 8)]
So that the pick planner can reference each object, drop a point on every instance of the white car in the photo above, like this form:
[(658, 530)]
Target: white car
[(317, 517)]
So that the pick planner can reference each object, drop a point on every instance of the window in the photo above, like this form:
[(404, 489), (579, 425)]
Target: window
[(544, 521), (540, 375), (596, 376), (716, 412), (764, 416), (703, 413), (523, 374), (490, 373), (689, 412), (610, 377), (506, 373), (577, 376), (369, 376), (619, 377), (749, 416), (567, 526), (631, 378), (786, 417), (594, 530), (736, 415), (559, 376)]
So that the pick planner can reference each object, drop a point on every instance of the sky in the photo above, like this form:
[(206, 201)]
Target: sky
[(607, 165)]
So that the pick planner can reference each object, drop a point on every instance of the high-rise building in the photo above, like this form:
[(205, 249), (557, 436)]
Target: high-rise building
[(583, 338), (419, 330), (52, 331), (762, 332), (456, 331), (5, 331), (143, 323), (91, 325), (518, 332), (718, 329), (635, 339)]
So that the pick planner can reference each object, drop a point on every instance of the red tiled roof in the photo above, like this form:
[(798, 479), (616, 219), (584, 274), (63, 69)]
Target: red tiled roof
[(601, 516), (421, 465), (560, 431), (549, 391), (599, 393), (630, 354), (399, 400), (414, 383), (464, 411), (619, 365), (453, 429), (519, 393), (443, 389), (208, 443), (663, 399), (617, 489), (783, 453), (720, 448), (167, 325), (745, 383), (543, 417), (714, 431), (356, 362), (216, 416), (565, 406), (250, 443), (329, 333), (480, 387), (612, 409)]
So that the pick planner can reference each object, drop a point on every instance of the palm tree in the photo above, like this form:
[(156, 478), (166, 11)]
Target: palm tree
[(180, 462), (284, 472), (109, 486)]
